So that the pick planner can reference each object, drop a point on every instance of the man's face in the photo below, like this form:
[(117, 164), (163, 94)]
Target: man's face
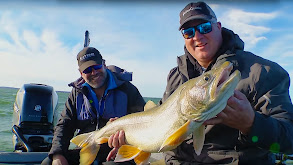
[(203, 47), (96, 78)]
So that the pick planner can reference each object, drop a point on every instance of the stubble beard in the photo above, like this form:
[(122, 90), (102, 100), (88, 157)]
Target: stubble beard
[(97, 83)]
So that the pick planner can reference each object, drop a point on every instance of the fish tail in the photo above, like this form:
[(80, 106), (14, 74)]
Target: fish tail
[(128, 152), (90, 146), (81, 139), (142, 158), (88, 153)]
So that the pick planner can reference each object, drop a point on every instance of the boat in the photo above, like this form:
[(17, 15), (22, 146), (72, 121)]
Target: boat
[(33, 116), (25, 158)]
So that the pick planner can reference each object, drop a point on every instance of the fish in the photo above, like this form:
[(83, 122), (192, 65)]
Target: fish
[(161, 128)]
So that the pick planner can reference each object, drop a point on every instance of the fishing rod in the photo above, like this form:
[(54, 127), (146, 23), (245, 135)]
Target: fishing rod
[(86, 39)]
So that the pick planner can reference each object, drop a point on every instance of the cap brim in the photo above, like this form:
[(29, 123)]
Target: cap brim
[(87, 64), (200, 17)]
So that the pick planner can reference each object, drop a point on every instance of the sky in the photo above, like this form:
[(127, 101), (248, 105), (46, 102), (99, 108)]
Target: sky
[(39, 40)]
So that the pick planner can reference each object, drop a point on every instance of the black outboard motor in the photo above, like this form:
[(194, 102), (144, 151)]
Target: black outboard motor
[(33, 118)]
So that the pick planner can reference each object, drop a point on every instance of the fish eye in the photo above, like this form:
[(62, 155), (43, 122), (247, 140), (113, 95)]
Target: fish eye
[(206, 78)]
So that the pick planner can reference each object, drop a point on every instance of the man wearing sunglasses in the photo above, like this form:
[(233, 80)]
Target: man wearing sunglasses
[(258, 118), (99, 95)]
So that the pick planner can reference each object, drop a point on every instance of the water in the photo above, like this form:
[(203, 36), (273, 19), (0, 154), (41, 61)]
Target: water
[(7, 98)]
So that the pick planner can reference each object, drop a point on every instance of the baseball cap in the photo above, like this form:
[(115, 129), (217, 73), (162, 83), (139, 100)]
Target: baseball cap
[(199, 10), (88, 56)]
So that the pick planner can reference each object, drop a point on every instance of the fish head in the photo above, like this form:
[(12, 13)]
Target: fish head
[(207, 95)]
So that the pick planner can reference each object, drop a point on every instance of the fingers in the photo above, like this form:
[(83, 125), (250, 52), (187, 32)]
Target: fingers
[(117, 140), (239, 95), (237, 114), (216, 120), (213, 121), (112, 119), (121, 138), (59, 160), (112, 154), (235, 100), (110, 141)]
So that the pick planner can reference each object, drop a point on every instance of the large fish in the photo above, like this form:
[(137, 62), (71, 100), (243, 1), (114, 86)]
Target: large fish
[(162, 128)]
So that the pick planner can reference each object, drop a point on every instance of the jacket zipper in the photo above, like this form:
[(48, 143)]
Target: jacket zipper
[(103, 99)]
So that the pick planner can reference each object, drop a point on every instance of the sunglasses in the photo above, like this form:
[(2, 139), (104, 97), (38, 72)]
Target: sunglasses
[(203, 28), (89, 69)]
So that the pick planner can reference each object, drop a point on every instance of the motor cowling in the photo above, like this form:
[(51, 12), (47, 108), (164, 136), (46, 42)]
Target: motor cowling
[(33, 117)]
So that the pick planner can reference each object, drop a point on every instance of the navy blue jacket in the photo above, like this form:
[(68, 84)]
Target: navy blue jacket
[(84, 113)]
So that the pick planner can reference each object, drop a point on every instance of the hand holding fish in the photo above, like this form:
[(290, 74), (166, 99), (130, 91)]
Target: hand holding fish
[(115, 141), (237, 114), (59, 160), (118, 139)]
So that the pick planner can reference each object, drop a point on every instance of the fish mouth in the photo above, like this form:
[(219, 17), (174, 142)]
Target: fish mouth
[(221, 90), (224, 77), (222, 82)]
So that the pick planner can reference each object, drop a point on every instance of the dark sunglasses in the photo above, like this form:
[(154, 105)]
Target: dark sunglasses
[(89, 69), (203, 28)]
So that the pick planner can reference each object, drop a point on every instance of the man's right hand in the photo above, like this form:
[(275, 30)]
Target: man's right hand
[(59, 160)]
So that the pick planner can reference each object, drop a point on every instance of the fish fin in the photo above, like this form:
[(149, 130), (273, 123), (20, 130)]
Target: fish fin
[(176, 138), (142, 158), (88, 153), (90, 148), (198, 139), (149, 105), (79, 140), (126, 153), (102, 140)]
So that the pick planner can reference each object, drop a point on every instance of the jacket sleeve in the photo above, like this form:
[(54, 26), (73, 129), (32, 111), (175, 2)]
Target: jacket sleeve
[(65, 127), (273, 125), (173, 82)]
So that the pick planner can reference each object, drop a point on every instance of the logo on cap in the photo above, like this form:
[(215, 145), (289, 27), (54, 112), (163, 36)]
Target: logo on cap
[(191, 8), (86, 56)]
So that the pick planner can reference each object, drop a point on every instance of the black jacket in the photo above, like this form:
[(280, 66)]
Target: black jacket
[(265, 84)]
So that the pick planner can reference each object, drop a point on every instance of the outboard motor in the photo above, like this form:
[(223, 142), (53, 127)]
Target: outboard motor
[(33, 118)]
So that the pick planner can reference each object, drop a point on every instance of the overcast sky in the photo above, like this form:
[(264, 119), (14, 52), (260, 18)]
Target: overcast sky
[(39, 40)]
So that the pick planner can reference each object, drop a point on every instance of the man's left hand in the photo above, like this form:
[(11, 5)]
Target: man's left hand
[(115, 141)]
